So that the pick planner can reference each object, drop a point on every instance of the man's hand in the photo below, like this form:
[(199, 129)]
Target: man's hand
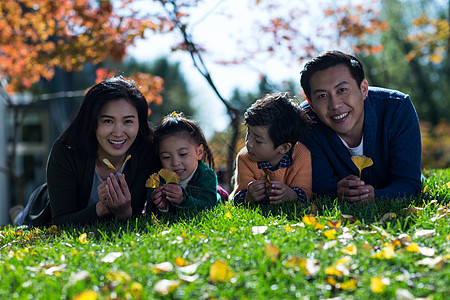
[(280, 192), (354, 191), (256, 191)]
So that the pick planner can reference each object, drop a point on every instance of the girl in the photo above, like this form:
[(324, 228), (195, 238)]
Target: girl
[(182, 147)]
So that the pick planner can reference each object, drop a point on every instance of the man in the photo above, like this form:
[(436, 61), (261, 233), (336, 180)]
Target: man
[(353, 119)]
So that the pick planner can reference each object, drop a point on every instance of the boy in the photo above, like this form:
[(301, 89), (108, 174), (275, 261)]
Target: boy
[(273, 167), (355, 119)]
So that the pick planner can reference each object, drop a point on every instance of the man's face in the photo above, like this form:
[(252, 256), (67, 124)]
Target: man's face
[(339, 102)]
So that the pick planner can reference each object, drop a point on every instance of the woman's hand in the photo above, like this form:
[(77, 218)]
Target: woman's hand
[(280, 192), (158, 198), (173, 193), (256, 191), (119, 196), (354, 191)]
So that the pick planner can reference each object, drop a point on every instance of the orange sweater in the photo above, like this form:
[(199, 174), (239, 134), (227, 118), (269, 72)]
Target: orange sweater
[(297, 175)]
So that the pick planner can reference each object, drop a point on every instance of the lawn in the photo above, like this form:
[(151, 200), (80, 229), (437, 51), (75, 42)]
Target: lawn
[(325, 249)]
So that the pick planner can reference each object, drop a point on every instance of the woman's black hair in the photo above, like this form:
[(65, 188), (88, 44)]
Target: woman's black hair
[(177, 123), (80, 134)]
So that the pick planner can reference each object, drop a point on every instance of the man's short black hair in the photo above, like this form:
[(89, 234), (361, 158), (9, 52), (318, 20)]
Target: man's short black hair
[(327, 60), (281, 112)]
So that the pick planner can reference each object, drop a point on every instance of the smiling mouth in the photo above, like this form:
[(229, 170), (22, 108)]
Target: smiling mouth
[(340, 117), (117, 143)]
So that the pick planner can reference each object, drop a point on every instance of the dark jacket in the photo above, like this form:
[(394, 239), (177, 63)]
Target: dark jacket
[(70, 176), (391, 139)]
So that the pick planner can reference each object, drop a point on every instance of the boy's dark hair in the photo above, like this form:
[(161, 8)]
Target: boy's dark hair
[(177, 123), (81, 132), (327, 60), (281, 112)]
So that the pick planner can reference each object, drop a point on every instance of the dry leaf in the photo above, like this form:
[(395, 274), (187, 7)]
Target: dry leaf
[(109, 164), (377, 284), (189, 269), (181, 262), (362, 162), (165, 286), (347, 285), (152, 181), (386, 253), (336, 224), (188, 278), (266, 178), (349, 219), (220, 272), (82, 238), (228, 215), (259, 229), (163, 267), (350, 249), (78, 276), (436, 263), (111, 257), (272, 251), (169, 176), (424, 233), (330, 234), (297, 263), (119, 276), (86, 295)]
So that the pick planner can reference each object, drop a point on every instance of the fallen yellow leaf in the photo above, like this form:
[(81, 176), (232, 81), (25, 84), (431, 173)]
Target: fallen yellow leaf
[(162, 267), (220, 272), (181, 262), (347, 285), (228, 215), (330, 234), (119, 276), (376, 284), (362, 162), (336, 224), (387, 252), (82, 238), (136, 290), (272, 251), (86, 295), (350, 249), (165, 286)]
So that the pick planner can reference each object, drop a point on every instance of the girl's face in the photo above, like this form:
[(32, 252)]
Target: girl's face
[(179, 154), (117, 128)]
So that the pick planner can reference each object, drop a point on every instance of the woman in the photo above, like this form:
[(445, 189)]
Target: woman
[(98, 167)]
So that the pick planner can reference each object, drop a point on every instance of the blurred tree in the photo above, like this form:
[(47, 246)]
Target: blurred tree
[(410, 65), (174, 96)]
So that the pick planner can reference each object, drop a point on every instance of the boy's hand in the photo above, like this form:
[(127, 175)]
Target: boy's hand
[(280, 192), (173, 193), (158, 199), (354, 191), (256, 191)]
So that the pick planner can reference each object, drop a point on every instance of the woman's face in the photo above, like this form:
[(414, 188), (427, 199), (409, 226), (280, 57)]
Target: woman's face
[(117, 128)]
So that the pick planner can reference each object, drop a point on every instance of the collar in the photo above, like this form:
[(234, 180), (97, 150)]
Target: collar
[(285, 162)]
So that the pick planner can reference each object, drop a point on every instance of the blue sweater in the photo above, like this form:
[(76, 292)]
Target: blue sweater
[(391, 139)]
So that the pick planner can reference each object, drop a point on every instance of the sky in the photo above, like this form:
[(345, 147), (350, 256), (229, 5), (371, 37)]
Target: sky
[(217, 25)]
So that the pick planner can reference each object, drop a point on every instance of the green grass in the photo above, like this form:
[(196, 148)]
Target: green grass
[(58, 263)]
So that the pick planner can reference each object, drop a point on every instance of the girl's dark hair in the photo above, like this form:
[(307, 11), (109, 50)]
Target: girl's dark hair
[(81, 135), (286, 120), (327, 60), (177, 123)]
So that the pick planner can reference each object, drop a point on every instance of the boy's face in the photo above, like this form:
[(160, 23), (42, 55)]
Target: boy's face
[(260, 146), (339, 102)]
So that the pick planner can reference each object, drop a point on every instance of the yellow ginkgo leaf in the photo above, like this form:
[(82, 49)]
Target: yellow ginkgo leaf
[(181, 262), (387, 252), (119, 276), (266, 178), (220, 272), (82, 238), (86, 295), (152, 181), (169, 176), (136, 290), (297, 263), (272, 251), (109, 164), (330, 234), (309, 220), (288, 228), (362, 162), (347, 285), (350, 249), (228, 215), (163, 267), (336, 224)]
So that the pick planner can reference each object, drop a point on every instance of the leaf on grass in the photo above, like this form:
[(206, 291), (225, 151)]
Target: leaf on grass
[(366, 246), (330, 234), (82, 238), (152, 181), (78, 276), (424, 233), (119, 276), (86, 295), (362, 162), (111, 257), (181, 262), (329, 245), (189, 269), (311, 220), (169, 176), (165, 286), (386, 253), (413, 247), (272, 252), (228, 215), (377, 284), (349, 219), (334, 225), (188, 278), (339, 268), (288, 228), (163, 267), (436, 263), (296, 262), (220, 272), (136, 290), (350, 249), (55, 270), (259, 229), (405, 239), (347, 285), (441, 213)]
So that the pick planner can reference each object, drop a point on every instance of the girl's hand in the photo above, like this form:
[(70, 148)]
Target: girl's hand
[(280, 192), (119, 196), (353, 190), (158, 198), (173, 193), (256, 191)]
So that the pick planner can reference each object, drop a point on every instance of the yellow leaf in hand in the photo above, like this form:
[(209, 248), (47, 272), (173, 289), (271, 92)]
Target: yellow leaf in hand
[(362, 162), (169, 176), (109, 164), (220, 272), (152, 181)]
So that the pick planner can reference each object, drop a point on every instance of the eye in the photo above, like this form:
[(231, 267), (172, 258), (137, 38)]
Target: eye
[(129, 121), (342, 90), (183, 154), (164, 157), (107, 121), (321, 96)]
